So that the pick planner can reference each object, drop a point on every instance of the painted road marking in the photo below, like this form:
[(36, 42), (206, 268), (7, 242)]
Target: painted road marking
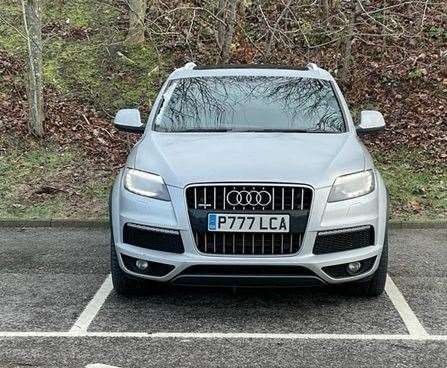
[(97, 365), (80, 327), (92, 308), (410, 320), (219, 335)]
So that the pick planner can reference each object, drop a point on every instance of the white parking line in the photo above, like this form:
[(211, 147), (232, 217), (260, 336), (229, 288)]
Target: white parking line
[(410, 320), (97, 365), (220, 335), (80, 327), (92, 308)]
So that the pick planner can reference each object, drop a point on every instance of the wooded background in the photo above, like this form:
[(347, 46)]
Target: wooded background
[(67, 66)]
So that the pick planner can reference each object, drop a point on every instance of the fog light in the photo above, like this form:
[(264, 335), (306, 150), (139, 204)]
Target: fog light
[(142, 264), (354, 267)]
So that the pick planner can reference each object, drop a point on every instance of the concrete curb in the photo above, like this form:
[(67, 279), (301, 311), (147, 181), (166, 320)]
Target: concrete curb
[(56, 223), (104, 223)]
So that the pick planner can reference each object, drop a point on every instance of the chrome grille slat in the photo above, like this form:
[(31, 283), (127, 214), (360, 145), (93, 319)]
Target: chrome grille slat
[(224, 198), (284, 198)]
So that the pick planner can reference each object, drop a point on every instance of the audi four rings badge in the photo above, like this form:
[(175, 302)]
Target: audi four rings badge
[(249, 198)]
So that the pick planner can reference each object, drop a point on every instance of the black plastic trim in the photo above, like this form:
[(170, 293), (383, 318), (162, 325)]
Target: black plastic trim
[(251, 66), (246, 270), (150, 238), (340, 270), (154, 269), (249, 281)]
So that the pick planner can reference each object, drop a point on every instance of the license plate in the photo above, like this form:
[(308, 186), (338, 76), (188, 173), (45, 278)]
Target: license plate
[(248, 223)]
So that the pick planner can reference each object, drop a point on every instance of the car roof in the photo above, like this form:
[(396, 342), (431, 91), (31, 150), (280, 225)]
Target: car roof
[(191, 70)]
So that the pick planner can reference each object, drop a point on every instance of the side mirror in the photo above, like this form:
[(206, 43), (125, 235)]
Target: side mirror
[(370, 121), (129, 120)]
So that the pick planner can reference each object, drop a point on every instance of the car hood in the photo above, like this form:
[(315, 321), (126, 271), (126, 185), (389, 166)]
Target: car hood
[(307, 158)]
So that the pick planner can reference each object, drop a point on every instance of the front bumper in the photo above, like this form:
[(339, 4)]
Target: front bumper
[(371, 210)]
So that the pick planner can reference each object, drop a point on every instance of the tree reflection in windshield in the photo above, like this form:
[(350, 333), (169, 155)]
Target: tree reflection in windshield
[(250, 103)]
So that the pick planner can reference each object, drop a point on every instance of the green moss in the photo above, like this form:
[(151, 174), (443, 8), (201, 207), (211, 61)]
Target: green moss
[(11, 32), (99, 69), (80, 13)]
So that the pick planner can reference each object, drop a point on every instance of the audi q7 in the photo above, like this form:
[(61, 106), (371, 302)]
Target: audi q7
[(249, 176)]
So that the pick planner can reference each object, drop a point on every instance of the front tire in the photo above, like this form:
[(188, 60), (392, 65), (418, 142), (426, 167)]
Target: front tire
[(123, 283)]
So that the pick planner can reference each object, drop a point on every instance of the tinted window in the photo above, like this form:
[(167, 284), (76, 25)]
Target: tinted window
[(249, 104)]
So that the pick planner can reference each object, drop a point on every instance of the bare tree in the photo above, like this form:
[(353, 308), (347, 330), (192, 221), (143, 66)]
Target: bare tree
[(33, 31), (349, 38), (226, 12), (274, 29), (137, 15)]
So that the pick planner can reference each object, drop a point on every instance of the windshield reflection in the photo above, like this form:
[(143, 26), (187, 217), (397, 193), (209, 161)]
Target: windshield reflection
[(253, 103)]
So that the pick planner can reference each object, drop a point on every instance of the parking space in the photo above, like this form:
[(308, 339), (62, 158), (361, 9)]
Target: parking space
[(48, 276), (251, 311), (56, 308), (418, 267)]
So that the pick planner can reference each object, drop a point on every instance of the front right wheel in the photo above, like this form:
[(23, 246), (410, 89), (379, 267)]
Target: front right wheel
[(123, 283), (376, 284)]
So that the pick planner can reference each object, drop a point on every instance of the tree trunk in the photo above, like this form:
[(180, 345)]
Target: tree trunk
[(227, 11), (346, 59), (325, 7), (33, 30), (137, 15), (273, 31)]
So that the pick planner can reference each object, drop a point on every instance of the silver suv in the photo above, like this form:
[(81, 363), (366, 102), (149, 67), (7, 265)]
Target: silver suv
[(249, 176)]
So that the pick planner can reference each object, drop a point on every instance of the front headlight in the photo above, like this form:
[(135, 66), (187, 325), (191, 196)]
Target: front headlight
[(352, 186), (145, 184)]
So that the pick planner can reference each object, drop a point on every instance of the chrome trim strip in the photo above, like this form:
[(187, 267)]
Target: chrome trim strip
[(345, 230), (152, 228)]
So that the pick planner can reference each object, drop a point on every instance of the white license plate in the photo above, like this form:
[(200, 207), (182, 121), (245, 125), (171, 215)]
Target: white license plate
[(248, 223)]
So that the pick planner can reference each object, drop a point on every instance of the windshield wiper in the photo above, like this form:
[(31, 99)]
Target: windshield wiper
[(248, 130), (273, 130), (202, 130)]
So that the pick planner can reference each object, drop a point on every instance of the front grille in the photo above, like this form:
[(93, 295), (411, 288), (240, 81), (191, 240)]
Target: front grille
[(283, 198), (343, 239), (292, 200)]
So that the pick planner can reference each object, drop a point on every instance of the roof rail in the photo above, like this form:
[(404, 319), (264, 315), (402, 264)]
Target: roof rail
[(312, 66), (188, 66)]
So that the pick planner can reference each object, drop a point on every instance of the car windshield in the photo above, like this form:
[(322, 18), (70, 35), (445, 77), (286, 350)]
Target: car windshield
[(249, 103)]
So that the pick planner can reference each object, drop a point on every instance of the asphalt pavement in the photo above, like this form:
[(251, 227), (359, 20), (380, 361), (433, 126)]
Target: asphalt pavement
[(57, 310)]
